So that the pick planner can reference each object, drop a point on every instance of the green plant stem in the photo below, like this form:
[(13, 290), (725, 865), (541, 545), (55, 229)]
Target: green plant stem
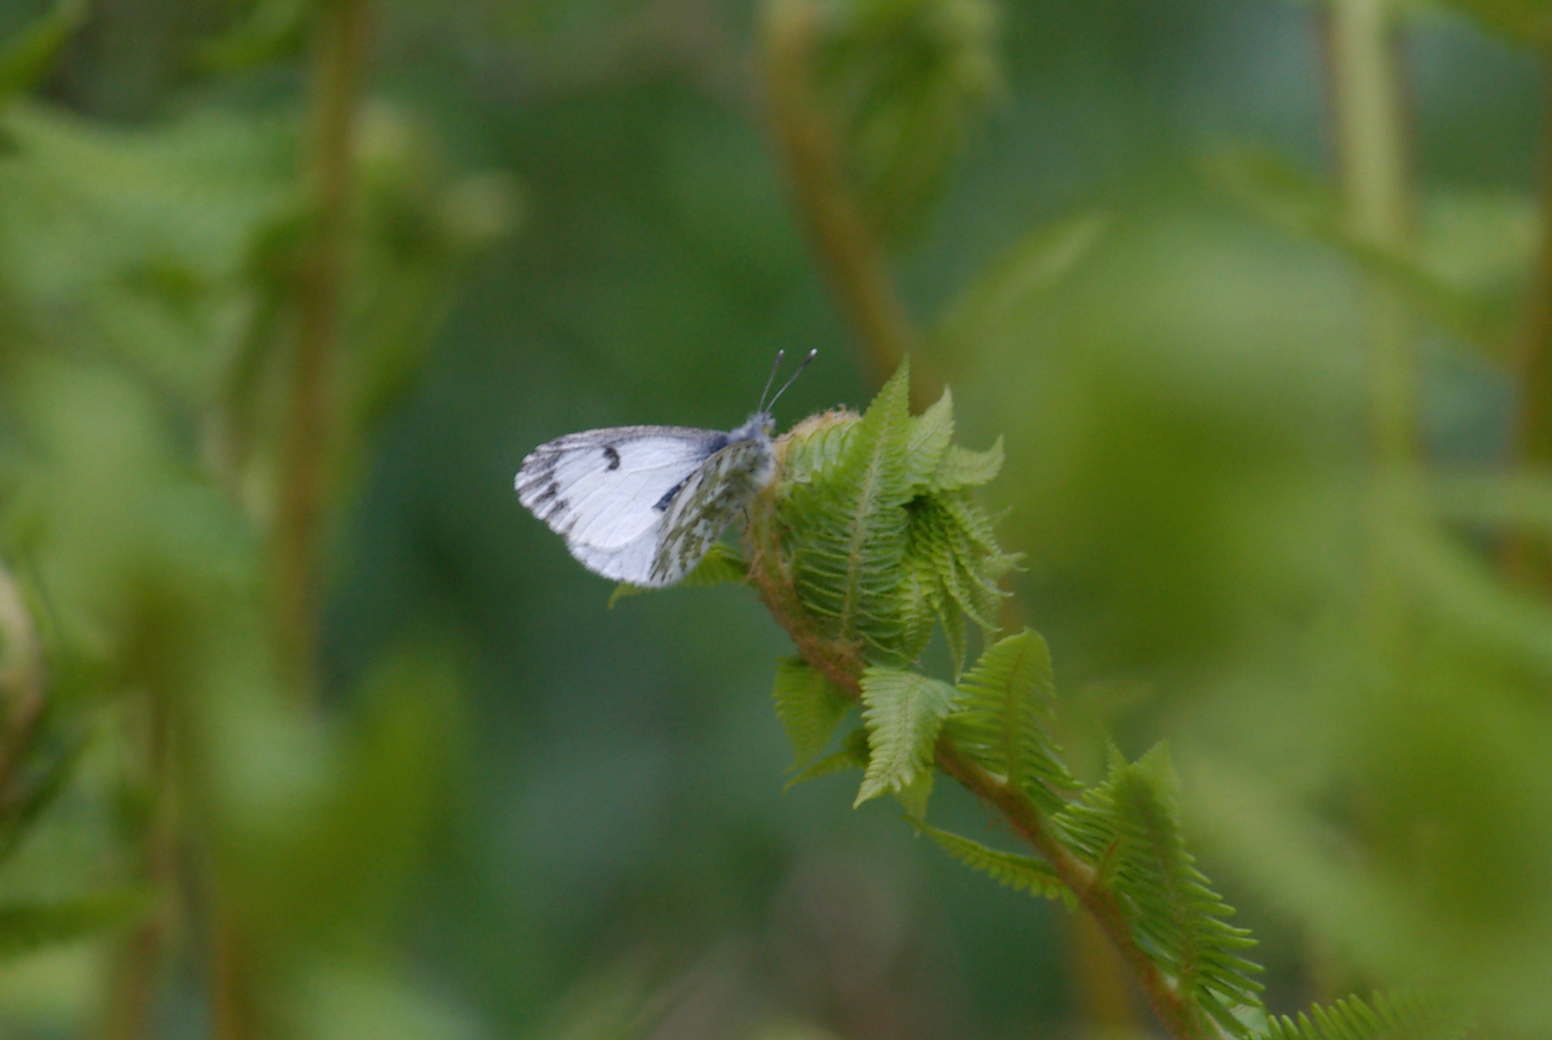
[(310, 434), (843, 666), (850, 256), (1528, 559), (1368, 119)]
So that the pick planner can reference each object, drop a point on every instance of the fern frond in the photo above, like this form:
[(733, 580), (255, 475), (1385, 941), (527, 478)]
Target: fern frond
[(1004, 703), (1407, 1015), (903, 712), (1020, 873), (853, 754), (847, 529), (809, 706), (1128, 829)]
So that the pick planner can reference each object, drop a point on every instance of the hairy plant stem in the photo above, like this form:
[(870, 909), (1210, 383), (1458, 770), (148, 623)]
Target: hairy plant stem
[(850, 255), (309, 437), (1527, 558), (843, 665)]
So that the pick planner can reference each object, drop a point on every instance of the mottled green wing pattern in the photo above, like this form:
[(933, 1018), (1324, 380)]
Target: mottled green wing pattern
[(712, 497)]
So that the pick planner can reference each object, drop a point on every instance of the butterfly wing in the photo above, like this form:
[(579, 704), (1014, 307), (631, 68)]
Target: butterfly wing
[(714, 495), (606, 492)]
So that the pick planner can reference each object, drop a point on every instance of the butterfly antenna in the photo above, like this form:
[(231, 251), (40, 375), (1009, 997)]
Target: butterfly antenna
[(771, 379), (811, 355)]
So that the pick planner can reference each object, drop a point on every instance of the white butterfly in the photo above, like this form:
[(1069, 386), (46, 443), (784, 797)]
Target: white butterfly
[(642, 504)]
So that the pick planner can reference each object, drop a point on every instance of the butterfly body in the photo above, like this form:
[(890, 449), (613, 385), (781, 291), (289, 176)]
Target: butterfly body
[(642, 504)]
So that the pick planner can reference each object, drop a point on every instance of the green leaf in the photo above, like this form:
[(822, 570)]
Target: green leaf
[(1397, 1016), (903, 712), (929, 440), (846, 529), (1004, 702), (25, 927), (809, 706), (1128, 829), (1020, 873), (26, 57), (853, 754), (722, 565)]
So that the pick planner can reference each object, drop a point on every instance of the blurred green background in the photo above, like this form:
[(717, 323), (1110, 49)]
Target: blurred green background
[(493, 807)]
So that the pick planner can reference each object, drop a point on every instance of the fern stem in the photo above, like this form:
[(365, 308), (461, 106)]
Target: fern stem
[(309, 437), (850, 255)]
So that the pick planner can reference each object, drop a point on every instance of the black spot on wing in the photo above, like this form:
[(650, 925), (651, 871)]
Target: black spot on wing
[(612, 455), (662, 504)]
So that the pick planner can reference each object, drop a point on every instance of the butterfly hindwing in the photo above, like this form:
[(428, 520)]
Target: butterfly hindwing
[(606, 489), (715, 494)]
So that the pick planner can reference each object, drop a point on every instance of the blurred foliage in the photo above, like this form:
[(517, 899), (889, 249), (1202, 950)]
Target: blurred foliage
[(513, 812)]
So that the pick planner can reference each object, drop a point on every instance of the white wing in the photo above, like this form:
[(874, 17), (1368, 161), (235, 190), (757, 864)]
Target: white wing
[(605, 490)]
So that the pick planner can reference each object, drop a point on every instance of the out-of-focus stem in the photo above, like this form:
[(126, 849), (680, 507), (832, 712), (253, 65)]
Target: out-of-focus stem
[(1369, 128), (852, 259), (137, 971), (307, 449), (1527, 559), (21, 683)]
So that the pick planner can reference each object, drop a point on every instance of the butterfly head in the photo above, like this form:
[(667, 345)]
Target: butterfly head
[(763, 423), (760, 426)]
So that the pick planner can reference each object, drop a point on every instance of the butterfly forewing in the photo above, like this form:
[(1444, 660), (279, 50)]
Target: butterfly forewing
[(603, 488)]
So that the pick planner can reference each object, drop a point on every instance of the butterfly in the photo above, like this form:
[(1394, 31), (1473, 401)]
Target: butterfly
[(643, 504)]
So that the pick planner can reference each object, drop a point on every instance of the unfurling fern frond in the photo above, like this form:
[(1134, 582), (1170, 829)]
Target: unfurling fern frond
[(1005, 701), (1397, 1016), (904, 712), (809, 706), (850, 525), (1128, 829), (1020, 873)]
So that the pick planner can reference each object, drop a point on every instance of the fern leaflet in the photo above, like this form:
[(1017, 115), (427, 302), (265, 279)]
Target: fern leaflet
[(1020, 873), (1398, 1016), (904, 712), (809, 707), (1005, 700)]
